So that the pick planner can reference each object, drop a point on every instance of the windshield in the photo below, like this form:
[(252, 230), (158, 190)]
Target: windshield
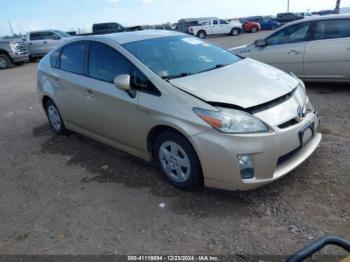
[(62, 34), (179, 56)]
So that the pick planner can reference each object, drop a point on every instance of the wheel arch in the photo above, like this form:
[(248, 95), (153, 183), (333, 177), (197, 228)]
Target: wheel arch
[(155, 131)]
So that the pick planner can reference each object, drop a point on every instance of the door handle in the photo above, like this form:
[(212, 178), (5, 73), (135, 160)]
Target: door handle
[(45, 42), (293, 52), (348, 48)]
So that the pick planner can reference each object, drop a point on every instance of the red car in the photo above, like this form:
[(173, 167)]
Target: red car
[(251, 27)]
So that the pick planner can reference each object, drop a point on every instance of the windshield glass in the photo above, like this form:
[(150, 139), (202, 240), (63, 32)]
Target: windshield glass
[(179, 56), (62, 34)]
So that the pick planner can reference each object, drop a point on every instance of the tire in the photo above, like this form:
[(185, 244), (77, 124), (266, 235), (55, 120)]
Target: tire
[(33, 59), (202, 34), (54, 117), (254, 30), (235, 32), (5, 61), (178, 161)]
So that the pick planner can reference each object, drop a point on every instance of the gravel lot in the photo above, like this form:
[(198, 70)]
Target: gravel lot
[(70, 195)]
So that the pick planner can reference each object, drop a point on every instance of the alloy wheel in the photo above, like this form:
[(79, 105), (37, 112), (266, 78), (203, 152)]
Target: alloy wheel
[(175, 162)]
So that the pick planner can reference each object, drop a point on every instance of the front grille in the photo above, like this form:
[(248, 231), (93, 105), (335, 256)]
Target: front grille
[(21, 47), (288, 123)]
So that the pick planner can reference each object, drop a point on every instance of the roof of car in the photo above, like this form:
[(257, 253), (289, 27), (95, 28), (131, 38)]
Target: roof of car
[(317, 18), (128, 37)]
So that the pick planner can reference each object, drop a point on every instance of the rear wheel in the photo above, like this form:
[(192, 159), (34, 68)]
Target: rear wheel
[(5, 61), (234, 32), (202, 34), (55, 118), (177, 160)]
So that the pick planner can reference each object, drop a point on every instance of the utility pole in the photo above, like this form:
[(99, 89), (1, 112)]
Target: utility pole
[(337, 6), (11, 28), (287, 6)]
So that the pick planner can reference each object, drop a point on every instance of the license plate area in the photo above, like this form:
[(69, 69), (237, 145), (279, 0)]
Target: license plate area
[(306, 134)]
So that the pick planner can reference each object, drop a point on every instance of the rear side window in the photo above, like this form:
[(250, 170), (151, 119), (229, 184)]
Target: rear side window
[(54, 58), (73, 57), (332, 29), (292, 34)]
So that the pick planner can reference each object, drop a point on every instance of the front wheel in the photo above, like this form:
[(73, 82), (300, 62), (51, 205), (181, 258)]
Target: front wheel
[(5, 61), (234, 32), (178, 161), (254, 30), (202, 34)]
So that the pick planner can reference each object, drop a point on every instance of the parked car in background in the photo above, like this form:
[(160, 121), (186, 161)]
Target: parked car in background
[(325, 12), (184, 24), (305, 14), (107, 28), (42, 42), (216, 26), (284, 18), (201, 113), (265, 24), (12, 52), (249, 26), (314, 49)]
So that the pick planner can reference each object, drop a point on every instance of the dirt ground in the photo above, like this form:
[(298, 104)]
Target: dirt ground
[(70, 195)]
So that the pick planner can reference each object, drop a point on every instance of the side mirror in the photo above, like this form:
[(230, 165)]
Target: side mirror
[(260, 43), (123, 82)]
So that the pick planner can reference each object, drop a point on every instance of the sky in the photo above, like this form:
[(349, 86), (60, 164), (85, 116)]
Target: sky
[(26, 15)]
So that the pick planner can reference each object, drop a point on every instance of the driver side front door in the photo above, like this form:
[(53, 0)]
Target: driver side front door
[(285, 49)]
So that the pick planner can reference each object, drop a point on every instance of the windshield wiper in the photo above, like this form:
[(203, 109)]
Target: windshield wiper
[(176, 76), (213, 68)]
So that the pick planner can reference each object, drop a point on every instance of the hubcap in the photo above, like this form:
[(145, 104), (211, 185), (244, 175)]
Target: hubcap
[(3, 62), (54, 117), (175, 161)]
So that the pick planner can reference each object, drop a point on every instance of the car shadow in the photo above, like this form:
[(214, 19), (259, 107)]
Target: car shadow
[(107, 165)]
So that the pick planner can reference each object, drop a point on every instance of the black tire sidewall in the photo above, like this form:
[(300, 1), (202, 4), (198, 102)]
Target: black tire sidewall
[(202, 33), (8, 61), (195, 179), (62, 130)]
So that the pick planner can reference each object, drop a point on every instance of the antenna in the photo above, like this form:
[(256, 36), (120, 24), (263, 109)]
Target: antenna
[(11, 28)]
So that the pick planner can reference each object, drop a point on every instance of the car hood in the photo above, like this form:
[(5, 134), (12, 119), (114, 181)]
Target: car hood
[(246, 83)]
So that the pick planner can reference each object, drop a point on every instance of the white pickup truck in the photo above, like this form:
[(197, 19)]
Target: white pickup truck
[(216, 26)]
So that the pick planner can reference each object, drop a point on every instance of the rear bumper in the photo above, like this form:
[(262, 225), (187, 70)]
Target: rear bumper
[(218, 154)]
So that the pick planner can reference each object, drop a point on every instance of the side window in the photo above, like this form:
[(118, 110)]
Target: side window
[(215, 22), (36, 36), (292, 34), (73, 58), (54, 58), (49, 35), (332, 29), (223, 22), (105, 63), (140, 82)]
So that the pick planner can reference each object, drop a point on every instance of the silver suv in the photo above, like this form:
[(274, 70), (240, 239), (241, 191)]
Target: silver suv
[(42, 42)]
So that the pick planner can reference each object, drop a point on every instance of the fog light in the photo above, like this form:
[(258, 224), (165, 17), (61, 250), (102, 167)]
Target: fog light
[(246, 166)]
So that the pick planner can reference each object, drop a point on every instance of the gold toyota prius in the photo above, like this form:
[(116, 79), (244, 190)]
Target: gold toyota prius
[(201, 113)]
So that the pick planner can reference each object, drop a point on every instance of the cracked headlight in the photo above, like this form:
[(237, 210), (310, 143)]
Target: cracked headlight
[(231, 121)]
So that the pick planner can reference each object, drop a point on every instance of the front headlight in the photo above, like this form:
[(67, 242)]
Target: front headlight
[(13, 47), (231, 121)]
